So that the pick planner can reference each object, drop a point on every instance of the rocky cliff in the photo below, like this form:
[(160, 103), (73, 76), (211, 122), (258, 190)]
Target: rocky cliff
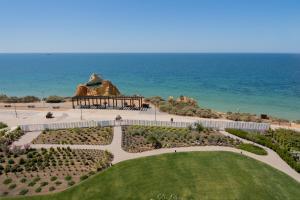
[(96, 86)]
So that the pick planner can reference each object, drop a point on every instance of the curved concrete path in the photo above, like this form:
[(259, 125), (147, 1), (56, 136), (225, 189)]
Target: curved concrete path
[(115, 148)]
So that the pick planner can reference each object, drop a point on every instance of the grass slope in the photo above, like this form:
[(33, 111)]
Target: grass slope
[(196, 175)]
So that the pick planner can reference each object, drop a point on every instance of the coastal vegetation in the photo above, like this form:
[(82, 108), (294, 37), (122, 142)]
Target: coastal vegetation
[(182, 106), (13, 99), (193, 175), (55, 99), (297, 121), (186, 106), (145, 138), (29, 171), (87, 136), (285, 142)]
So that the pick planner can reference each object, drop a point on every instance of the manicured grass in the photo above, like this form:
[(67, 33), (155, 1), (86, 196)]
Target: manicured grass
[(253, 149), (196, 175)]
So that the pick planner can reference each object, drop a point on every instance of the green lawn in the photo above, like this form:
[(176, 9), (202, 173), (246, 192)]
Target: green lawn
[(197, 175)]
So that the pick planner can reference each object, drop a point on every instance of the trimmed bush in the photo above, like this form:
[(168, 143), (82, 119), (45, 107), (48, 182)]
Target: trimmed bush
[(51, 188), (253, 149), (53, 178), (7, 181), (23, 192), (55, 99), (38, 190), (58, 183), (237, 132), (12, 186), (68, 178), (4, 193), (11, 161), (23, 180), (83, 177), (32, 183), (2, 125), (43, 184), (70, 183), (36, 179)]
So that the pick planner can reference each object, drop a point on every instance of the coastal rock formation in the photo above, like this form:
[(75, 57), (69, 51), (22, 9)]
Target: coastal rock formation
[(81, 90), (96, 86), (185, 99)]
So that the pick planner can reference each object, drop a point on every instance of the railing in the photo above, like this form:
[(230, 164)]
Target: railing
[(216, 124)]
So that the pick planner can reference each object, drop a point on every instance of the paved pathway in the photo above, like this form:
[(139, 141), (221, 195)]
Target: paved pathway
[(115, 148)]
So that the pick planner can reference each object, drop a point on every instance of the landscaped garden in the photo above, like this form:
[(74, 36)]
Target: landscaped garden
[(88, 136), (7, 139), (285, 142), (194, 175), (28, 171), (144, 138)]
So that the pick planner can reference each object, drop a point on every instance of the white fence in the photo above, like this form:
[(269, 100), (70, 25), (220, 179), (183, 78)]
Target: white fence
[(216, 124)]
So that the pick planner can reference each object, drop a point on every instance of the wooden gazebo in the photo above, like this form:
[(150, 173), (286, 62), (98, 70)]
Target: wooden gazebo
[(114, 102)]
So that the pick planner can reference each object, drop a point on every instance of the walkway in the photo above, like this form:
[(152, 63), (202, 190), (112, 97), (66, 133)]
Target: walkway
[(115, 148)]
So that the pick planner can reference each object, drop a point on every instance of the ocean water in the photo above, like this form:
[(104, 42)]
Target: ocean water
[(256, 83)]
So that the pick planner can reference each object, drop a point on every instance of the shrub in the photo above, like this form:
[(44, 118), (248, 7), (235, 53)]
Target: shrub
[(83, 177), (12, 186), (237, 132), (26, 99), (7, 181), (23, 180), (70, 183), (49, 115), (22, 161), (55, 99), (4, 193), (58, 183), (32, 183), (155, 143), (43, 184), (68, 178), (23, 192), (91, 173), (2, 125), (253, 149), (53, 178), (38, 190), (51, 188), (36, 179), (199, 127)]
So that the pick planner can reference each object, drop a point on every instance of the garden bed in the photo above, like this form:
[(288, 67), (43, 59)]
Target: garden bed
[(145, 138), (88, 136), (29, 171), (283, 141)]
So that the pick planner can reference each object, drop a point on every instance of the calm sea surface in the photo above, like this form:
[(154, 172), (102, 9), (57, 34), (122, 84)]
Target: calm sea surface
[(256, 83)]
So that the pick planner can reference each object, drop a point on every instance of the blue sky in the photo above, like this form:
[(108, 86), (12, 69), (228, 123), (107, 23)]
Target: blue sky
[(150, 26)]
